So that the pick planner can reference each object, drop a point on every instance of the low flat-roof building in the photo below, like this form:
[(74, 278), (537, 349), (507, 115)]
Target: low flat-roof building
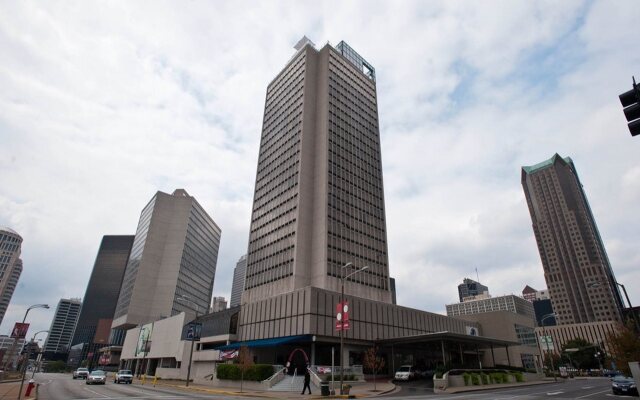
[(483, 304)]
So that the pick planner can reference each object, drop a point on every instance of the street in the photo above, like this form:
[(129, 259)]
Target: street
[(590, 389), (63, 387)]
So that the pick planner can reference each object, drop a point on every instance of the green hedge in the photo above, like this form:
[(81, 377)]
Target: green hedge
[(257, 372), (519, 376)]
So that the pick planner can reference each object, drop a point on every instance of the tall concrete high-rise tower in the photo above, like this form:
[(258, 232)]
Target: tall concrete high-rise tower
[(174, 254), (237, 286), (10, 266), (576, 267), (62, 327), (319, 199)]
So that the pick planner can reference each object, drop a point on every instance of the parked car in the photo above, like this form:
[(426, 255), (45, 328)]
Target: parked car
[(405, 373), (624, 385), (81, 373), (97, 377), (124, 375)]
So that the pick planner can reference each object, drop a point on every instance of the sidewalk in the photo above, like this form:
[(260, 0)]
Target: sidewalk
[(357, 391), (9, 390)]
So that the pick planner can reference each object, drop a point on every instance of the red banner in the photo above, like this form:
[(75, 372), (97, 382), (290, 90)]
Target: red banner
[(19, 330), (342, 316)]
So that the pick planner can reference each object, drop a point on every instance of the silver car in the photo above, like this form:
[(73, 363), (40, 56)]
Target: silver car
[(97, 377)]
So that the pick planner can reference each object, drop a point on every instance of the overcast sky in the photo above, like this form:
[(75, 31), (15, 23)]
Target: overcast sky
[(104, 103)]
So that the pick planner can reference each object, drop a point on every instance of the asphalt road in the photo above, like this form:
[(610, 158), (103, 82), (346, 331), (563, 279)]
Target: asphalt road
[(63, 387), (587, 389)]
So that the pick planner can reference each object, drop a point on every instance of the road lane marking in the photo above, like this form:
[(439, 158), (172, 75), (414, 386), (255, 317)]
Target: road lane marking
[(591, 394), (554, 393), (94, 392)]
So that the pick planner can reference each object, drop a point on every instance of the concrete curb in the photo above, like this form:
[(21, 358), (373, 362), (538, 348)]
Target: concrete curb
[(465, 389), (267, 395)]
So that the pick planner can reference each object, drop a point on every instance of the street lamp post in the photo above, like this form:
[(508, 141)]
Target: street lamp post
[(15, 342), (184, 298), (26, 361), (544, 332), (342, 279)]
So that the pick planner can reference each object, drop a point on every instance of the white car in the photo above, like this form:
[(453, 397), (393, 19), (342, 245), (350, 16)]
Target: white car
[(98, 377), (81, 373), (124, 375), (405, 373)]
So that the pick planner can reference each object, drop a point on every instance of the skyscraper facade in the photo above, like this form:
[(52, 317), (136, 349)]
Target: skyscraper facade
[(576, 267), (62, 327), (174, 254), (469, 287), (319, 200), (101, 296), (10, 266), (238, 281)]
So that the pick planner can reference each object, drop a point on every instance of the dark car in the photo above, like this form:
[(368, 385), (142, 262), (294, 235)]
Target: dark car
[(624, 385)]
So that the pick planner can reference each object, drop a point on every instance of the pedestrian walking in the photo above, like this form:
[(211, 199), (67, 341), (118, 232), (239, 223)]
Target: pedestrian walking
[(307, 381)]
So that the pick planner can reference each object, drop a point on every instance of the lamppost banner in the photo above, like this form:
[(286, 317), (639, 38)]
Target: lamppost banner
[(19, 330), (342, 316)]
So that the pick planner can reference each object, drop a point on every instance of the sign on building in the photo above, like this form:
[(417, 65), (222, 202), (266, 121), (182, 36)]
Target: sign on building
[(194, 330), (144, 339), (546, 343)]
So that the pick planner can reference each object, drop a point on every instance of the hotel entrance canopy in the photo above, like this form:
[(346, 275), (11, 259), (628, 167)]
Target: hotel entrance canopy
[(480, 342)]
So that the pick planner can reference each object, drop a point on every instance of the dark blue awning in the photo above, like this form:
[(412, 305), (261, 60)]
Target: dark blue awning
[(267, 342)]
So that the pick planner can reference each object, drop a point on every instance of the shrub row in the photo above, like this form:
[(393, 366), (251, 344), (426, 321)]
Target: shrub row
[(257, 372), (493, 377)]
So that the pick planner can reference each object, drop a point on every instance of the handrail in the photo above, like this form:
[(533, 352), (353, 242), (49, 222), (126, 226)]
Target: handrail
[(316, 379), (278, 372)]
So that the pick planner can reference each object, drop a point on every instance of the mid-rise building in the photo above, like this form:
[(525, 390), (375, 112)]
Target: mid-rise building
[(173, 257), (218, 304), (319, 202), (9, 348), (100, 298), (238, 281), (576, 268), (469, 287), (484, 303), (531, 294), (10, 266), (62, 327)]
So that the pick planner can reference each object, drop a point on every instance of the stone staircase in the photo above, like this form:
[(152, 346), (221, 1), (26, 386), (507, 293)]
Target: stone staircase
[(292, 384)]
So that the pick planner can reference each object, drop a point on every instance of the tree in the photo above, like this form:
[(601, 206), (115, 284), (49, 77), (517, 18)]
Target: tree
[(625, 346), (55, 366), (582, 354), (373, 362), (244, 361)]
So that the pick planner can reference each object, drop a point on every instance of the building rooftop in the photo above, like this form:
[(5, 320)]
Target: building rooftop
[(546, 164)]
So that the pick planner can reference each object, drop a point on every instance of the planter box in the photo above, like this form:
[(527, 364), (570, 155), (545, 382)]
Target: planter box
[(440, 384), (456, 380)]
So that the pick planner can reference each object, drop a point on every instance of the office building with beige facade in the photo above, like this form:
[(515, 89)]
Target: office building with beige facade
[(319, 215), (174, 254), (10, 266)]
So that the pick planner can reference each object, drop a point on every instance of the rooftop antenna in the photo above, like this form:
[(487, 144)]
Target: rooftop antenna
[(477, 276)]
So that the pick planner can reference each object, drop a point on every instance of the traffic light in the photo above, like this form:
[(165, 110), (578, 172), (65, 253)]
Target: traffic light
[(631, 102)]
